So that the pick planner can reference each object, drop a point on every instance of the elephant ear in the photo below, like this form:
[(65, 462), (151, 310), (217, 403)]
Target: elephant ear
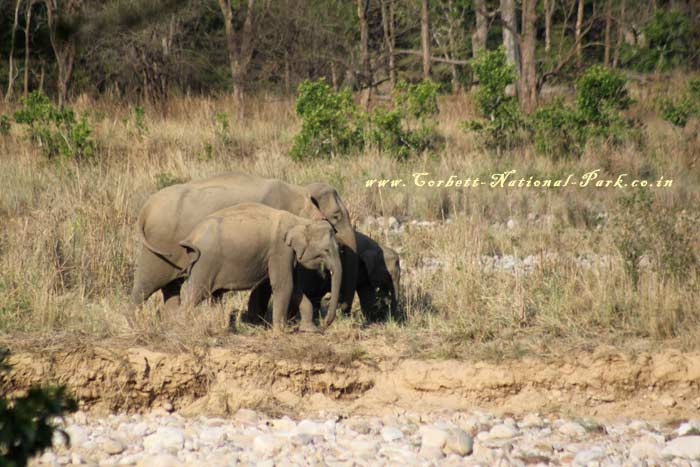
[(326, 199), (297, 239)]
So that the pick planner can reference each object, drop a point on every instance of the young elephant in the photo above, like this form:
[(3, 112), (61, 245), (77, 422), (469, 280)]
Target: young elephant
[(378, 283), (237, 248)]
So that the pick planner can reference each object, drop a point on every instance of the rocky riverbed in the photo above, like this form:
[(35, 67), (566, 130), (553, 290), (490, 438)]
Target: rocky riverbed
[(161, 438)]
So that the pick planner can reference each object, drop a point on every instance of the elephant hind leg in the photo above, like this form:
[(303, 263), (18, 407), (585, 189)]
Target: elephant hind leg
[(151, 275)]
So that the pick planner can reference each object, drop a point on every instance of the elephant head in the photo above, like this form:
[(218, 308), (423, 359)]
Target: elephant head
[(315, 247), (326, 199)]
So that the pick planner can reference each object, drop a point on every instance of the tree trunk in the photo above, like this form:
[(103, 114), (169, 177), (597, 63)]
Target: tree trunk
[(389, 41), (481, 31), (239, 55), (452, 46), (425, 38), (620, 34), (64, 46), (510, 27), (527, 92), (27, 27), (608, 24), (11, 72), (548, 9), (578, 38), (365, 80), (693, 12)]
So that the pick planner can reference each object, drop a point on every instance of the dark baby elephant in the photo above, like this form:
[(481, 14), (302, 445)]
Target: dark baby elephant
[(169, 215), (378, 284)]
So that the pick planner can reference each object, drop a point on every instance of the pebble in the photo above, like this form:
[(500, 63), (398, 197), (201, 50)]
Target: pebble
[(459, 442), (685, 447), (390, 433), (444, 438), (502, 431), (572, 429)]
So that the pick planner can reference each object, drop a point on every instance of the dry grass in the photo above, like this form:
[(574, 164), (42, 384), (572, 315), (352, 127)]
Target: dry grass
[(67, 243)]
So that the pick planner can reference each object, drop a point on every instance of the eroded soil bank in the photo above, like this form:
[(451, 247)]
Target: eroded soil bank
[(289, 378)]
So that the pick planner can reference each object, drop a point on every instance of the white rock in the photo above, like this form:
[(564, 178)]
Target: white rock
[(689, 427), (286, 424), (667, 401), (112, 446), (48, 458), (165, 439), (212, 435), (364, 448), (433, 437), (266, 444), (686, 447), (431, 452), (160, 460), (75, 458), (511, 224), (459, 442), (131, 459), (310, 428), (645, 450), (572, 429), (502, 431), (78, 435), (390, 433), (531, 420), (588, 455)]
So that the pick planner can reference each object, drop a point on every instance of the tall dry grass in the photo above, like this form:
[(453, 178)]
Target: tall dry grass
[(68, 243)]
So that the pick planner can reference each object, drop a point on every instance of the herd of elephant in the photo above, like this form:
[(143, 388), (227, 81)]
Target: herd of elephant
[(242, 232)]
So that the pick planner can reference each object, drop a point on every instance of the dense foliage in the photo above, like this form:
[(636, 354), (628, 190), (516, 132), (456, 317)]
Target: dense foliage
[(27, 423)]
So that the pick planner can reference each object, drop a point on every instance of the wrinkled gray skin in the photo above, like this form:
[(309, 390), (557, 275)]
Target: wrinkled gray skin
[(169, 215), (378, 284), (237, 248)]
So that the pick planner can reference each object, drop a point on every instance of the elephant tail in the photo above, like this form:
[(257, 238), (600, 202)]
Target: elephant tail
[(147, 244), (193, 255)]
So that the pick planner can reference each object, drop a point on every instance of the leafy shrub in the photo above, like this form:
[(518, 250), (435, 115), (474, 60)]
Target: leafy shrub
[(500, 111), (558, 129), (329, 121), (332, 124), (600, 94), (5, 125), (418, 100), (667, 42), (409, 127), (680, 110), (56, 130), (26, 422)]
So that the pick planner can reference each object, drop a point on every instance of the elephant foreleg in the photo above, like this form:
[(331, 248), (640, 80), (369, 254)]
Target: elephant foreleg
[(306, 309)]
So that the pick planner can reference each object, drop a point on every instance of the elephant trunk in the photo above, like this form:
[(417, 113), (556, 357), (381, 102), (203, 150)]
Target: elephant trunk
[(337, 274), (350, 263)]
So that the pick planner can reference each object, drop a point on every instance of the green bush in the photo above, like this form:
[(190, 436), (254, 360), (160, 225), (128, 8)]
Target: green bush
[(410, 126), (680, 110), (329, 122), (600, 95), (5, 125), (333, 125), (502, 118), (558, 130), (27, 422), (667, 43), (56, 130)]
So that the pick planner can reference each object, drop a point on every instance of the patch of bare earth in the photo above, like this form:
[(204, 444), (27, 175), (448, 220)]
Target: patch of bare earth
[(297, 375)]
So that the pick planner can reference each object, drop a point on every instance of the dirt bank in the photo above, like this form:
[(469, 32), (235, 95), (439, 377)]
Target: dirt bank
[(218, 381)]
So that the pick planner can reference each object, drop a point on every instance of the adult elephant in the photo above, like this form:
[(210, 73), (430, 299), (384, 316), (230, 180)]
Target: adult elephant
[(170, 215)]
